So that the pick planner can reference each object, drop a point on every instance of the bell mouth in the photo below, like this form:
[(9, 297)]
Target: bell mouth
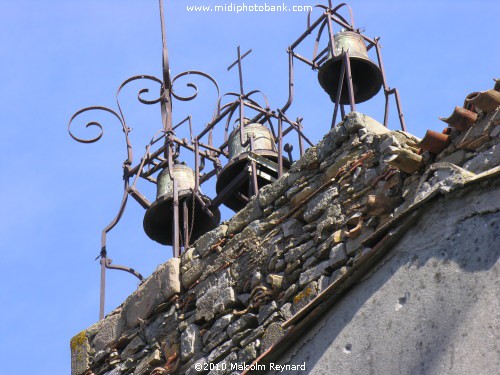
[(240, 196), (158, 219), (366, 79)]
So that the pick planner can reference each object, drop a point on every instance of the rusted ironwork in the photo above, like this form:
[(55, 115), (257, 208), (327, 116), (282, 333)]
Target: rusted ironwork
[(344, 49), (164, 157), (257, 165)]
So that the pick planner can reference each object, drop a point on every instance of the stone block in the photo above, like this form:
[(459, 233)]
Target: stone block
[(485, 160), (319, 204), (269, 193), (163, 284), (205, 242), (272, 334), (133, 347), (110, 329), (295, 253), (190, 342), (245, 322), (313, 273), (214, 301), (249, 213), (80, 350), (338, 255), (292, 227), (266, 311), (308, 161), (147, 364)]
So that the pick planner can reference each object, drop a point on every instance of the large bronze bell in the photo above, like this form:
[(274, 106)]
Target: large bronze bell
[(239, 159), (159, 218), (366, 75)]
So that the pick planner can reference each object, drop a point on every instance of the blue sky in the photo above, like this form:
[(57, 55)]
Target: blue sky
[(56, 195)]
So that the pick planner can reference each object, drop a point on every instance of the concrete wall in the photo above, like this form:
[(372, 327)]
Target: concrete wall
[(430, 307)]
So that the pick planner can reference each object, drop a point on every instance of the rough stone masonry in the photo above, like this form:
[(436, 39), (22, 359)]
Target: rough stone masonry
[(253, 286)]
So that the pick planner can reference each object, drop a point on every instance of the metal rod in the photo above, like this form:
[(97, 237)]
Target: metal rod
[(350, 87), (196, 165), (280, 147), (255, 185), (175, 224), (339, 93), (186, 224), (102, 296), (400, 111)]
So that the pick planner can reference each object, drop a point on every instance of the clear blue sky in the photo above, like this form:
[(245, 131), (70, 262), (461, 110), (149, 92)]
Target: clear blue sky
[(56, 195)]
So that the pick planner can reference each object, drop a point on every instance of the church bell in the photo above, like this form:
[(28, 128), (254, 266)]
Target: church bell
[(159, 217), (366, 76), (265, 156)]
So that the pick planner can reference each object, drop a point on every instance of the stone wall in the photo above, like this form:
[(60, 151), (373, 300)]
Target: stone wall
[(248, 285)]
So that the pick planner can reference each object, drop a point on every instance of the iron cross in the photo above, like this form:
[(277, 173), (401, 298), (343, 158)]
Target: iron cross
[(238, 61)]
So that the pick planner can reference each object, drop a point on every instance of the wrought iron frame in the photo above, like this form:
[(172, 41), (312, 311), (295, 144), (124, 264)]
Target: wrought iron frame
[(326, 20), (164, 149)]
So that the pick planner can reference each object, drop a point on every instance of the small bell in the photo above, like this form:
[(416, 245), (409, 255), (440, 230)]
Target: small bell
[(158, 220), (264, 151), (366, 75)]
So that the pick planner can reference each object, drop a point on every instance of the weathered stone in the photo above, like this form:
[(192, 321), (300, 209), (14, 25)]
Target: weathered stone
[(80, 350), (116, 371), (308, 263), (190, 342), (313, 273), (133, 347), (220, 352), (306, 296), (339, 162), (458, 157), (495, 132), (197, 368), (352, 245), (323, 283), (249, 213), (286, 311), (292, 289), (248, 354), (276, 281), (319, 204), (158, 288), (272, 334), (280, 265), (269, 193), (484, 160), (240, 336), (258, 332), (266, 311), (188, 256), (146, 365), (109, 331), (338, 255), (216, 341), (224, 366), (274, 317), (295, 253), (214, 301), (308, 161), (292, 227), (209, 239), (219, 326), (356, 121), (303, 194), (191, 275), (246, 321), (162, 325)]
